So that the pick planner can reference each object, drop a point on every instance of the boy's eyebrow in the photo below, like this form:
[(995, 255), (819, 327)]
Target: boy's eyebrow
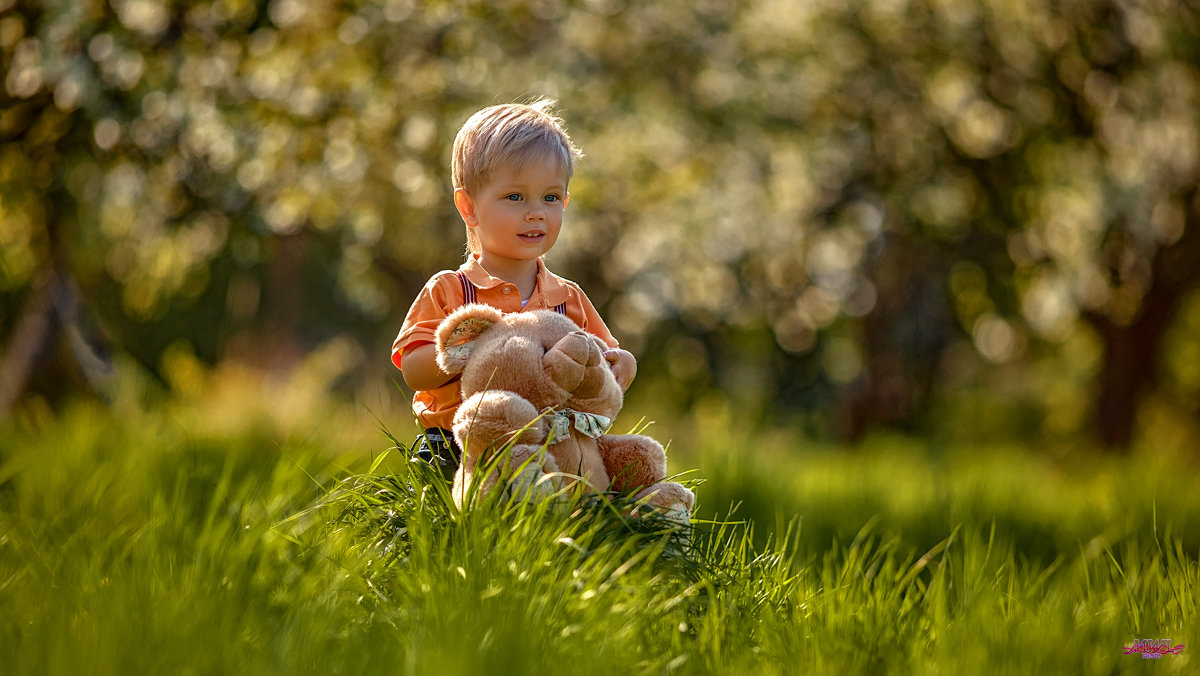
[(518, 184)]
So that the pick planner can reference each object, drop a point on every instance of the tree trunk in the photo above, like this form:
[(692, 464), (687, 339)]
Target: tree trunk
[(1131, 352), (902, 340), (1129, 367), (280, 345), (29, 340)]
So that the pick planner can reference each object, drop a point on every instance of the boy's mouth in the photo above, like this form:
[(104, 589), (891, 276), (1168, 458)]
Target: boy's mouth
[(532, 236)]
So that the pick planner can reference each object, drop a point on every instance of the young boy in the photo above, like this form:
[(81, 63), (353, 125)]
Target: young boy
[(510, 168)]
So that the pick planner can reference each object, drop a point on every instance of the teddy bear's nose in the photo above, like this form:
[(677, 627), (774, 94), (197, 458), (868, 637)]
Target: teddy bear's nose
[(569, 359), (578, 346)]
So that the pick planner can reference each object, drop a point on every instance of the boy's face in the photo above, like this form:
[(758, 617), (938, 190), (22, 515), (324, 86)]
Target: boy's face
[(517, 213)]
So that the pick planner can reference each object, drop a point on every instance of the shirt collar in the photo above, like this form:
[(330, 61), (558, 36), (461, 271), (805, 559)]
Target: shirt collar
[(549, 286), (477, 275)]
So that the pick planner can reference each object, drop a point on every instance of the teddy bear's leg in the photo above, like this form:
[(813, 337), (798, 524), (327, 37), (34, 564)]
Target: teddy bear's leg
[(486, 421), (671, 500), (493, 421), (636, 462), (531, 474), (465, 477), (527, 473), (632, 460)]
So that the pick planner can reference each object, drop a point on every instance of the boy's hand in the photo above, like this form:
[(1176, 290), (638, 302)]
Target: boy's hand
[(623, 365)]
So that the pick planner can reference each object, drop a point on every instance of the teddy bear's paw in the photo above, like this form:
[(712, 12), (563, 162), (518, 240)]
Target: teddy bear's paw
[(532, 484), (677, 513), (672, 501)]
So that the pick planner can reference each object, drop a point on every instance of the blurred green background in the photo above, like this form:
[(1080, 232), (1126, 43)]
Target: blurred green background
[(968, 221)]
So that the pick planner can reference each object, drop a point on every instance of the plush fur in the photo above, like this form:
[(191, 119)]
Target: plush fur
[(515, 368)]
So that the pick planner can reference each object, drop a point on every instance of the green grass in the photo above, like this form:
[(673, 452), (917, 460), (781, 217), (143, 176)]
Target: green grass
[(140, 540)]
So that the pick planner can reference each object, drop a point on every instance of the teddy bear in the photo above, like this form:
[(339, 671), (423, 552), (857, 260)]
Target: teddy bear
[(535, 380)]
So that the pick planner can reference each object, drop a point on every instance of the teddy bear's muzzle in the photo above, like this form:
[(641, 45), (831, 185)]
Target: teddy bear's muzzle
[(571, 363)]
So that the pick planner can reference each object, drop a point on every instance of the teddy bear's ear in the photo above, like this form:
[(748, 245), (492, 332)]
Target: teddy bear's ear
[(457, 333)]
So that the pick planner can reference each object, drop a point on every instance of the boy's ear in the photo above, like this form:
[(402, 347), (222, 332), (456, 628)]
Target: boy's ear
[(465, 206), (458, 333)]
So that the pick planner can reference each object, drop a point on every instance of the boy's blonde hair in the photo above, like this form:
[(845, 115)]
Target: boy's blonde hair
[(508, 134)]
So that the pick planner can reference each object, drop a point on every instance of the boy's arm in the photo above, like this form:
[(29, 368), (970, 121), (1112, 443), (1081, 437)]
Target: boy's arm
[(414, 351), (420, 369)]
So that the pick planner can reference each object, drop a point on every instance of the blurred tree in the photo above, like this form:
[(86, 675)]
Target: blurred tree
[(1015, 165), (209, 170), (1061, 157), (793, 204)]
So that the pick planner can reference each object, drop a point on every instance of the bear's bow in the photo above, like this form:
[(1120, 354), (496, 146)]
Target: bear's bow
[(561, 422)]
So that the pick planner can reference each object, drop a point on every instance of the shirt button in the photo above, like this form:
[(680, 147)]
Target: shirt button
[(506, 290)]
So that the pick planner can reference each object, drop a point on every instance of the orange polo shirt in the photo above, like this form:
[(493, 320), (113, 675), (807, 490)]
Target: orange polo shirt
[(443, 294)]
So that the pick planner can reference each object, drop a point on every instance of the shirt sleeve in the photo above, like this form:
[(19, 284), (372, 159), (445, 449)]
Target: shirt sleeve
[(441, 295), (590, 319)]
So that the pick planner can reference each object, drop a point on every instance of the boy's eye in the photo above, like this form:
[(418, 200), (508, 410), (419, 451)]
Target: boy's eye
[(513, 197), (551, 198)]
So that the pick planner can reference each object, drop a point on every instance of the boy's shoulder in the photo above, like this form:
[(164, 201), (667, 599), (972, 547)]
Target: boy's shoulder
[(560, 279), (441, 287), (441, 277)]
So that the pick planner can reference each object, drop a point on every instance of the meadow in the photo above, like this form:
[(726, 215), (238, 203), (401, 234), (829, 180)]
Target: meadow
[(210, 536)]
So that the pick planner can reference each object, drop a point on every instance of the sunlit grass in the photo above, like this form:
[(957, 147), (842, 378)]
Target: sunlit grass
[(134, 544)]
